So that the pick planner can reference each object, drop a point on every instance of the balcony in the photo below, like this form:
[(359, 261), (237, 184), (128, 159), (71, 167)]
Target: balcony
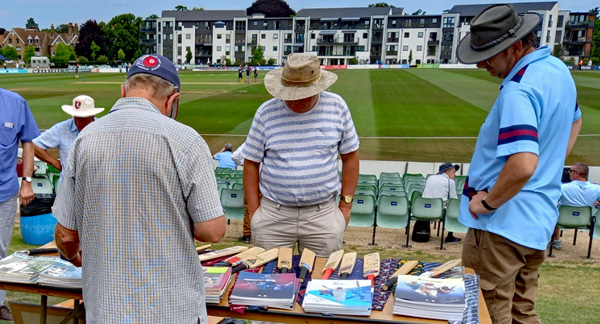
[(252, 41), (377, 40), (299, 28), (391, 53), (577, 40), (433, 41), (392, 40), (148, 41), (585, 24), (287, 40), (148, 30), (339, 41), (377, 27)]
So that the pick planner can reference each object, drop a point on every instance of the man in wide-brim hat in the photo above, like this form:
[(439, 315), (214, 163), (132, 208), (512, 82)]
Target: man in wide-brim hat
[(513, 182), (294, 141)]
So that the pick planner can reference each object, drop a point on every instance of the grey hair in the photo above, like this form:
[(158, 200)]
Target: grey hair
[(159, 87)]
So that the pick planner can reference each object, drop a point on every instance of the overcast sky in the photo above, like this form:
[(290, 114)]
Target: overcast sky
[(14, 13)]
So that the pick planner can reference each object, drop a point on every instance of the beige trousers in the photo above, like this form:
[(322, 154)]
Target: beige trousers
[(508, 274), (319, 228)]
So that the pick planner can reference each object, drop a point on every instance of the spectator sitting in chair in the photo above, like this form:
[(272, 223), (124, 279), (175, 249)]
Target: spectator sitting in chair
[(578, 193), (224, 156), (442, 186)]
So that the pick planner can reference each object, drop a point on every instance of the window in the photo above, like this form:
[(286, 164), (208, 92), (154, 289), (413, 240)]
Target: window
[(255, 23), (10, 40), (406, 35), (420, 34), (394, 22), (314, 48), (187, 48), (219, 36), (448, 22), (265, 24), (264, 48), (227, 48), (312, 36), (263, 36), (365, 35), (30, 40), (179, 38), (188, 36), (360, 48), (17, 40), (219, 48), (560, 21), (171, 36), (405, 48), (274, 48), (550, 21), (419, 48), (178, 50), (179, 24), (434, 20), (275, 36)]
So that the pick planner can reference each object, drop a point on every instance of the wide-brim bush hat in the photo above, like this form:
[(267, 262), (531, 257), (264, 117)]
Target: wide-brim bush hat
[(83, 106), (301, 77), (447, 166), (493, 30)]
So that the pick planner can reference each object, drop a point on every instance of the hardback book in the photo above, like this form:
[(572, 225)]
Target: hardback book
[(343, 297), (277, 290), (21, 268), (435, 298), (61, 274), (216, 281)]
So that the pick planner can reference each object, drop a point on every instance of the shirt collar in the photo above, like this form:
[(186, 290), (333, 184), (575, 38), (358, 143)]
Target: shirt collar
[(538, 54), (74, 128), (134, 103)]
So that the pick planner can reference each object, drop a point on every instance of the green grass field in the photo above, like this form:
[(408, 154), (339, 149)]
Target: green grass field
[(401, 115)]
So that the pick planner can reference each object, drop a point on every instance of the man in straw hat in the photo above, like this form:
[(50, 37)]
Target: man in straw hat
[(295, 140), (514, 178), (63, 134), (138, 188)]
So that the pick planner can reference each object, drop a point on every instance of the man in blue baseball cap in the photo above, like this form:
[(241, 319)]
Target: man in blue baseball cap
[(135, 186)]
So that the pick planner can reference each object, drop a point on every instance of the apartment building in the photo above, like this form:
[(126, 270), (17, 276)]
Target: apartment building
[(339, 36)]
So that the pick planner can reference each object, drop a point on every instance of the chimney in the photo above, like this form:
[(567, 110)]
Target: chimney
[(76, 29), (52, 31), (70, 29)]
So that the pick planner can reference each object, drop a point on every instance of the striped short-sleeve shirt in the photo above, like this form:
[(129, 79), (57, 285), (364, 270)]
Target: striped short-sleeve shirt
[(299, 152), (134, 184)]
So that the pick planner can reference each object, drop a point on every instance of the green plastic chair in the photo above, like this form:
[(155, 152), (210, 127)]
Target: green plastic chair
[(42, 186), (363, 211), (232, 201), (389, 175), (570, 217), (392, 211), (220, 170), (221, 186), (452, 224), (596, 229), (427, 209), (396, 193), (411, 175), (237, 186), (366, 189), (393, 187), (42, 168)]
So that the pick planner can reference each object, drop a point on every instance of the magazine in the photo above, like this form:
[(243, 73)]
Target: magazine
[(216, 281), (343, 297), (61, 274), (430, 297), (277, 290), (21, 268)]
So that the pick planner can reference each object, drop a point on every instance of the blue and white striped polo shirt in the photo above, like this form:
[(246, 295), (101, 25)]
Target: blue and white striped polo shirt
[(299, 152)]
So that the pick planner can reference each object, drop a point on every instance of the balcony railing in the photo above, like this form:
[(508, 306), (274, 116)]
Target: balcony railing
[(393, 40), (148, 30), (336, 41), (148, 41), (391, 53), (585, 24), (432, 41)]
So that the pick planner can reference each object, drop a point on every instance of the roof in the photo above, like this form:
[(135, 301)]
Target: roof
[(64, 37), (345, 12), (23, 34), (203, 15), (523, 7)]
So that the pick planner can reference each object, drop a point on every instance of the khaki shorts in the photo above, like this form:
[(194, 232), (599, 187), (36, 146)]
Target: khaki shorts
[(318, 227)]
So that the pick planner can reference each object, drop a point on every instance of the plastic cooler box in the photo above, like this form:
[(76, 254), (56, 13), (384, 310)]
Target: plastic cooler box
[(37, 222)]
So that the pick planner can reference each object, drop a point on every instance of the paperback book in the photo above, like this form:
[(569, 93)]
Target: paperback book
[(22, 268), (61, 274), (435, 298), (343, 297), (216, 281), (277, 290)]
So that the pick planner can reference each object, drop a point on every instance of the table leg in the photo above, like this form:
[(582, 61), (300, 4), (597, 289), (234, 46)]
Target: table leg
[(44, 309), (76, 305)]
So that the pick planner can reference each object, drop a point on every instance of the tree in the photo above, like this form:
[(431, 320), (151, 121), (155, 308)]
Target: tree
[(31, 24), (257, 55), (271, 8), (82, 60), (181, 8), (62, 28), (29, 53), (410, 57), (197, 9), (63, 55), (595, 53), (123, 32), (102, 59), (153, 16), (188, 56), (419, 12), (381, 4), (89, 33), (94, 48), (271, 61), (558, 51), (121, 55), (137, 54), (11, 53)]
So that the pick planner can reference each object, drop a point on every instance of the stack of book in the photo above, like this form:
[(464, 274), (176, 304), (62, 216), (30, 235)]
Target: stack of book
[(61, 274), (216, 281), (442, 299), (22, 268), (343, 297), (276, 290)]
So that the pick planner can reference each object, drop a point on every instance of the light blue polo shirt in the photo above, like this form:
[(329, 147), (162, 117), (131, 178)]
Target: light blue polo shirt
[(225, 160), (579, 193), (533, 113), (16, 123)]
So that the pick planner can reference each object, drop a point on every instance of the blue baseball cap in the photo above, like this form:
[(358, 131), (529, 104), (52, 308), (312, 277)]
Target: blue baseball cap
[(157, 65)]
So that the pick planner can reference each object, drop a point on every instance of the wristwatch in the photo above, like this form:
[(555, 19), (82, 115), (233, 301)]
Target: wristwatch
[(348, 199), (28, 179), (486, 206)]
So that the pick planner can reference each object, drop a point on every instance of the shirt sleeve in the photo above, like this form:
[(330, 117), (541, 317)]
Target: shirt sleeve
[(577, 113), (452, 189), (49, 138), (200, 184), (350, 142), (68, 204), (29, 130), (254, 147), (518, 125)]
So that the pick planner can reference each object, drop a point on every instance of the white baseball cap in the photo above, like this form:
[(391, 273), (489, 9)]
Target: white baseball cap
[(83, 106)]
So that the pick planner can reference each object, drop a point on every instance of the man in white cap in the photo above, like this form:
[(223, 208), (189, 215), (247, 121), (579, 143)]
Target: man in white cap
[(63, 134), (295, 139), (513, 184)]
